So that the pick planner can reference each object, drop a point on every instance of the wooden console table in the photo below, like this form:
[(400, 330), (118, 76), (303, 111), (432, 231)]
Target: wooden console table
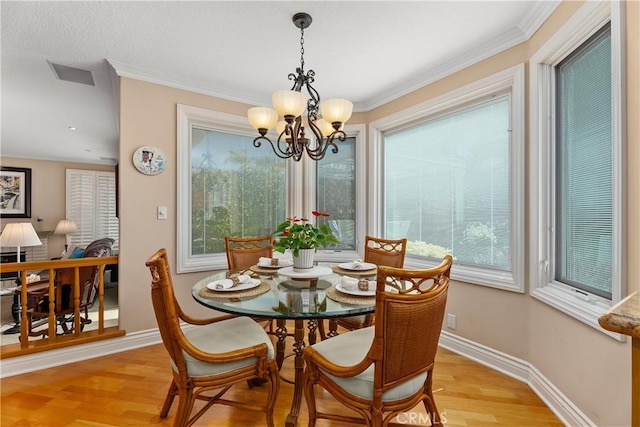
[(624, 318)]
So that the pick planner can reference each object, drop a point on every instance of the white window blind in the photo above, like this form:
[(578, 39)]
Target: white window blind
[(91, 204), (584, 167), (447, 185)]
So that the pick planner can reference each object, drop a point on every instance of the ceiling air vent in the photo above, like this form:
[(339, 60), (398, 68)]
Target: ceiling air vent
[(70, 74)]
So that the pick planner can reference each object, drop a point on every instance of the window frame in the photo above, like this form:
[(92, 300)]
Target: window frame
[(511, 80), (583, 306), (300, 200)]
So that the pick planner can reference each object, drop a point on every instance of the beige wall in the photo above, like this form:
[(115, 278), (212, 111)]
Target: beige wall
[(48, 184), (591, 369)]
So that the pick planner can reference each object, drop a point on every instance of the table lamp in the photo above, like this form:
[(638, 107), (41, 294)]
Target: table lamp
[(19, 234), (66, 227)]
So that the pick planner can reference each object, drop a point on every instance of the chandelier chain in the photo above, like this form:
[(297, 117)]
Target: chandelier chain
[(302, 48)]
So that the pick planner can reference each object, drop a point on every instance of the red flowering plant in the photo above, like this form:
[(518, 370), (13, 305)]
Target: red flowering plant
[(298, 233)]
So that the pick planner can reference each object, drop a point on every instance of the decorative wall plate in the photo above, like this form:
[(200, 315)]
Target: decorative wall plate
[(149, 160)]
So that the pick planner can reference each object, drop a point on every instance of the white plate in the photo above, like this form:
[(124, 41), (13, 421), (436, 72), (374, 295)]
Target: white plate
[(312, 273), (364, 266), (250, 284), (357, 292), (281, 263)]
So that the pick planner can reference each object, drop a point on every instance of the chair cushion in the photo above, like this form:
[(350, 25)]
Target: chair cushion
[(220, 337), (359, 342), (77, 253)]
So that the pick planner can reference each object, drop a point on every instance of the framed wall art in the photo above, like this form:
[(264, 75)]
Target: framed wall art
[(15, 192)]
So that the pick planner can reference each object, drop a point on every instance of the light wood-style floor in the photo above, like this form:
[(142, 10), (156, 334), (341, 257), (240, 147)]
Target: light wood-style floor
[(127, 389)]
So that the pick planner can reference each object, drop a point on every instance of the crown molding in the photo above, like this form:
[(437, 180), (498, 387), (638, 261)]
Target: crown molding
[(526, 28)]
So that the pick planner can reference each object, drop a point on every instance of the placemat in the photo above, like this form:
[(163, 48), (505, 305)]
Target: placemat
[(354, 273), (263, 287), (262, 270), (338, 296)]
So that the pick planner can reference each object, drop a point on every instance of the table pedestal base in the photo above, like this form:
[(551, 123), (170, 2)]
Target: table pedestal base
[(298, 350)]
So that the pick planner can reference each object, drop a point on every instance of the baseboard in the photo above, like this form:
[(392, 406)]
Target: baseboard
[(66, 355), (521, 370)]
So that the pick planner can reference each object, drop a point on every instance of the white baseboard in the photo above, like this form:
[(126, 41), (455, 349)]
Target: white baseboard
[(48, 359), (521, 370)]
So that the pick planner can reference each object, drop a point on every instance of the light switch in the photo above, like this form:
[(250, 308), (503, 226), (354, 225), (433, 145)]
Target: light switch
[(162, 212)]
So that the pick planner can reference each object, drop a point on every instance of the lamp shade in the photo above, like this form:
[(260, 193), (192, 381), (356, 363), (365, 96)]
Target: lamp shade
[(262, 117), (66, 226), (289, 103), (325, 127), (19, 234), (336, 110)]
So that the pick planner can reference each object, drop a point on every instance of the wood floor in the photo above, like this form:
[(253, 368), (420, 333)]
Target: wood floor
[(127, 389)]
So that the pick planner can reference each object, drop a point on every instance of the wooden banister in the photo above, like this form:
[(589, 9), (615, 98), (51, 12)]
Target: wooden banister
[(49, 286)]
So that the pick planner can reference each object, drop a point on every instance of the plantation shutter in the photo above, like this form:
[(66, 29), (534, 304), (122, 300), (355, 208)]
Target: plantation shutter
[(91, 204)]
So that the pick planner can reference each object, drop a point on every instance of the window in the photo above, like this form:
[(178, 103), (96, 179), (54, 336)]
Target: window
[(446, 185), (236, 190), (451, 174), (336, 192), (91, 204), (583, 169), (576, 163), (226, 186)]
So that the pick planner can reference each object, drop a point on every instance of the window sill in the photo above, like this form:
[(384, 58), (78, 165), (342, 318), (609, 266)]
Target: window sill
[(478, 276), (585, 308)]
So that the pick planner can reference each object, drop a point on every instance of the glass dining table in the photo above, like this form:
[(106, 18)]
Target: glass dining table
[(283, 294)]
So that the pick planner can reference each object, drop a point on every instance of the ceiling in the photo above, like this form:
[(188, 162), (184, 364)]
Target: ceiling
[(370, 52)]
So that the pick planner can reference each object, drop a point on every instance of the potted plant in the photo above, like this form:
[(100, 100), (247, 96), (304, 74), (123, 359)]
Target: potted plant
[(303, 238)]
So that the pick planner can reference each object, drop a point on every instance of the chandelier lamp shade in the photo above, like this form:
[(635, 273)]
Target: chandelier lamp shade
[(19, 234), (325, 119)]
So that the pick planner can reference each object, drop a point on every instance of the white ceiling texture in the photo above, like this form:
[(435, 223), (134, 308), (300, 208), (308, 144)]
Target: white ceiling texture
[(370, 52)]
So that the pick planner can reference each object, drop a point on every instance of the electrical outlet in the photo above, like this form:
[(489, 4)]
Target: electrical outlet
[(451, 321)]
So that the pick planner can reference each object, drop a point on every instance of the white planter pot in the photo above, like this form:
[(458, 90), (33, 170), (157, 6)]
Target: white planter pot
[(304, 260)]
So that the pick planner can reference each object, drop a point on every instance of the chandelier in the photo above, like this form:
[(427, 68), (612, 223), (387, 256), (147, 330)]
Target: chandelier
[(292, 141)]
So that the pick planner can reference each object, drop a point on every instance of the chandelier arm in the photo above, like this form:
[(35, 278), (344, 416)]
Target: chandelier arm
[(317, 132), (299, 79), (330, 142), (276, 149), (314, 101)]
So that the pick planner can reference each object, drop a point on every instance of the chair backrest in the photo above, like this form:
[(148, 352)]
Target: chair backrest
[(166, 309), (97, 248), (89, 276), (243, 252), (408, 322), (388, 252)]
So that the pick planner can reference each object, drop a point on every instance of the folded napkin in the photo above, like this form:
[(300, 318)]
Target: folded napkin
[(265, 261), (232, 281), (357, 264), (351, 283)]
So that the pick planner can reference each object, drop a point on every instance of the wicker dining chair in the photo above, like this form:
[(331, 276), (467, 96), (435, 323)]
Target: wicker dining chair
[(243, 252), (378, 251), (389, 366), (210, 357)]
